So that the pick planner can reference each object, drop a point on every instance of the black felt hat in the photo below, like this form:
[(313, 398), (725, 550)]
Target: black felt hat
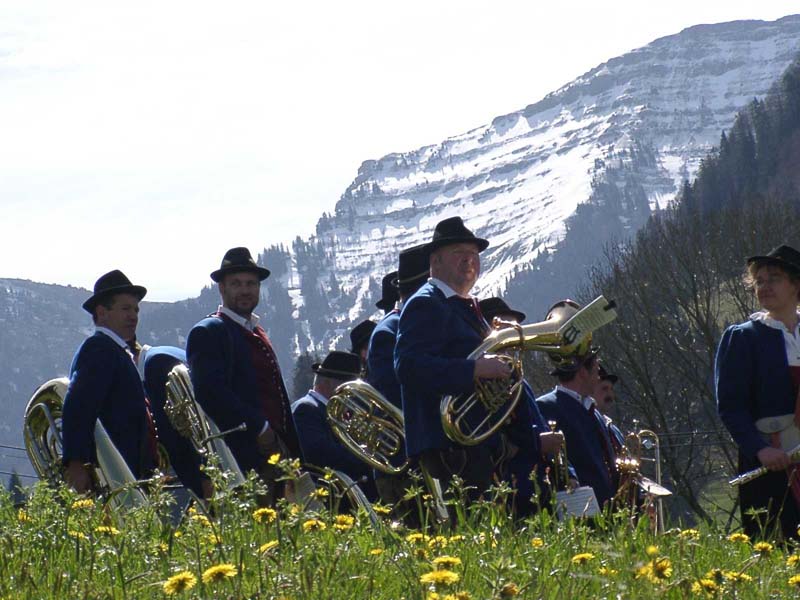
[(339, 365), (606, 376), (237, 260), (414, 268), (784, 256), (389, 295), (360, 335), (113, 282), (453, 231), (492, 307)]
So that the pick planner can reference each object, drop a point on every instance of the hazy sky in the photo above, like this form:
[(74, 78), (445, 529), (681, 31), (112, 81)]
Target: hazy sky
[(152, 136)]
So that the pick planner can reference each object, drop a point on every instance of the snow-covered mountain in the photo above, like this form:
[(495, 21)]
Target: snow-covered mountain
[(517, 180)]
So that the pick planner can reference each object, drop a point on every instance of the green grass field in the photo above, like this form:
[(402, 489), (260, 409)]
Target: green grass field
[(62, 546)]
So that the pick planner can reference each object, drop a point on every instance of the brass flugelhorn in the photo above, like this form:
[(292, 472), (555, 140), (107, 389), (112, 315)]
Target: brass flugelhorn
[(469, 420), (368, 425), (794, 456)]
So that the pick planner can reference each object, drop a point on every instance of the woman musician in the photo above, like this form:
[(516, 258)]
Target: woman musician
[(757, 375)]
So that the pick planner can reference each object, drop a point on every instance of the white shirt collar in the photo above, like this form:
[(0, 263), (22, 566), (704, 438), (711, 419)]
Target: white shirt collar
[(446, 289), (317, 396), (761, 317), (585, 401), (249, 324), (119, 341)]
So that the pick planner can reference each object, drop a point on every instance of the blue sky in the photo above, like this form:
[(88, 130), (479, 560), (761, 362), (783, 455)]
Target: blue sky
[(152, 136)]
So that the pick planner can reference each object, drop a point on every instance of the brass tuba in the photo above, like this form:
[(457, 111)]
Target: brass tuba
[(42, 435), (191, 422), (469, 420), (368, 425)]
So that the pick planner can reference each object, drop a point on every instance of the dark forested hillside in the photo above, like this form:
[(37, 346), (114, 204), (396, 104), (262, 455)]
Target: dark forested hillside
[(679, 284)]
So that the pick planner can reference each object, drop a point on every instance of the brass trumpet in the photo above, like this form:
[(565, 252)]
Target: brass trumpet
[(469, 420)]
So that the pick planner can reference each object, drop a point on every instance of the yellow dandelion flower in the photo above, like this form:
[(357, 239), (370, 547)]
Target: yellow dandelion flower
[(689, 534), (582, 558), (22, 516), (321, 493), (268, 546), (509, 590), (717, 575), (537, 542), (737, 577), (107, 530), (794, 580), (763, 548), (201, 520), (264, 515), (382, 510), (441, 577), (416, 538), (793, 560), (433, 596), (438, 541), (343, 523), (314, 525), (162, 547), (662, 568), (706, 587), (178, 534), (652, 550), (607, 572), (274, 459), (77, 535), (82, 504), (213, 538), (462, 596), (295, 509), (645, 571), (739, 537), (179, 582), (376, 551), (457, 538), (446, 562), (219, 572)]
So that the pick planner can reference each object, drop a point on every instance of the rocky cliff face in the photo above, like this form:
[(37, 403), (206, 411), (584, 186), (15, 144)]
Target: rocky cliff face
[(548, 185)]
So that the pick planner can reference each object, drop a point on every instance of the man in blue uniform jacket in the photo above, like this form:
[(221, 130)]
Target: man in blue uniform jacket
[(235, 372), (440, 326), (320, 446), (572, 407), (104, 384)]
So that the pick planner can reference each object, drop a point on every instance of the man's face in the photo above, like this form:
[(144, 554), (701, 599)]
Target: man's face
[(458, 265), (240, 292), (123, 316), (604, 395)]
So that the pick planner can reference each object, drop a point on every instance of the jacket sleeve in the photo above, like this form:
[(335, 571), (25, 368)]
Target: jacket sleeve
[(420, 356), (208, 366), (734, 374), (319, 446), (90, 383), (380, 365)]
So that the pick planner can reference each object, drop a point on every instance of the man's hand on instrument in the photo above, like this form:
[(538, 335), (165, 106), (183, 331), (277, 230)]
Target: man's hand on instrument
[(492, 367), (773, 459), (551, 441), (78, 477)]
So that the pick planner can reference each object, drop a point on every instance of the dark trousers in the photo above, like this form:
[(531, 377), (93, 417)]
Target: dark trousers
[(473, 464), (770, 493)]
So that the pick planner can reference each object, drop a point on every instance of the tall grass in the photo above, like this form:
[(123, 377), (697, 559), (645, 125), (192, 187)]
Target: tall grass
[(60, 545)]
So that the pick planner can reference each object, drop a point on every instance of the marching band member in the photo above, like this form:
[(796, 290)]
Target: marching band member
[(604, 397), (235, 372), (413, 271), (104, 384), (319, 445), (570, 404), (389, 295), (439, 326), (757, 376), (528, 431), (359, 340)]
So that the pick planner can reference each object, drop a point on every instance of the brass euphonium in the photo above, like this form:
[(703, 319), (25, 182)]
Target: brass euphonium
[(42, 435), (469, 420), (368, 425), (191, 422)]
